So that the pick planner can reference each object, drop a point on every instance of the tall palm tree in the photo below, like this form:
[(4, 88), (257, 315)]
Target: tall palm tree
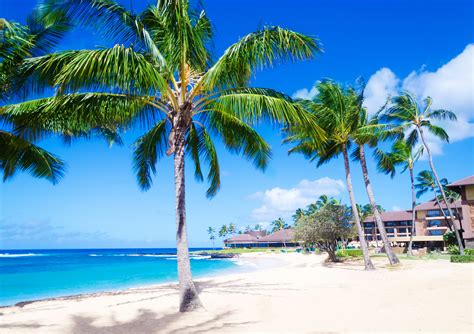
[(368, 131), (404, 156), (231, 229), (17, 142), (161, 75), (325, 200), (336, 115), (211, 231), (414, 118), (299, 213)]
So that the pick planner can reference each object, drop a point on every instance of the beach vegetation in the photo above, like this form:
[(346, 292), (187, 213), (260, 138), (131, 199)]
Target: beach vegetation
[(325, 228), (462, 258)]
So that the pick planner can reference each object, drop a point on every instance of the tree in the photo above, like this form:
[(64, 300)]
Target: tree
[(368, 131), (160, 74), (336, 117), (231, 228), (258, 227), (325, 228), (414, 118), (404, 156), (223, 231), (299, 213), (17, 139), (279, 225), (212, 235)]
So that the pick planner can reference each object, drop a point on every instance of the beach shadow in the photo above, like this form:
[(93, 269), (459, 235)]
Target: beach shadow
[(150, 322)]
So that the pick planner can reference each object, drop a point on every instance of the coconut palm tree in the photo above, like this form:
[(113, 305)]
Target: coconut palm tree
[(415, 118), (278, 225), (404, 156), (160, 74), (211, 231), (368, 131), (231, 229), (17, 142), (299, 213), (338, 117)]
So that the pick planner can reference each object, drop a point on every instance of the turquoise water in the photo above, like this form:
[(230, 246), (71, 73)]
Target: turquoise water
[(35, 274)]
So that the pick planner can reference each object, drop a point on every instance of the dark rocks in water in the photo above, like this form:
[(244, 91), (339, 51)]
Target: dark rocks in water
[(222, 256)]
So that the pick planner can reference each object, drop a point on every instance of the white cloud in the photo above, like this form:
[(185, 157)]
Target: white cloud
[(305, 93), (451, 87), (381, 85), (396, 208), (281, 202)]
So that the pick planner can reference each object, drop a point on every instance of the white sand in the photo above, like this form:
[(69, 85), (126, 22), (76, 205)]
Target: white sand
[(301, 295)]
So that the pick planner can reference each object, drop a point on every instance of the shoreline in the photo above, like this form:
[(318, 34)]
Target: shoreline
[(236, 269), (295, 293)]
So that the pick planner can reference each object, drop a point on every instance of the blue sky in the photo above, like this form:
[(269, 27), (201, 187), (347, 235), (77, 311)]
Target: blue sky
[(424, 46)]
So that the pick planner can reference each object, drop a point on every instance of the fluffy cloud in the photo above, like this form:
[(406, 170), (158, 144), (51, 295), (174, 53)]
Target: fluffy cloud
[(451, 86), (305, 93), (281, 202)]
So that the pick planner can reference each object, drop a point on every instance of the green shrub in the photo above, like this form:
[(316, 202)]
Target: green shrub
[(462, 258), (453, 249), (450, 238), (349, 253), (469, 251)]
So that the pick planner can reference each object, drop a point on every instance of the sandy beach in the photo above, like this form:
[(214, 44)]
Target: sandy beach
[(298, 294)]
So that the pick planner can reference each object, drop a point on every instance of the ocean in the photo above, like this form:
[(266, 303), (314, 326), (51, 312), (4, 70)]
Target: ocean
[(36, 274)]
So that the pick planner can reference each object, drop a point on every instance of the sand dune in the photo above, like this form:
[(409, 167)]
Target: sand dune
[(300, 295)]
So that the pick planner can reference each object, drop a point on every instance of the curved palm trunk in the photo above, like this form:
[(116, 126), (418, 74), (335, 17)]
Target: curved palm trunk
[(363, 244), (441, 209), (413, 214), (392, 258), (441, 190), (188, 297)]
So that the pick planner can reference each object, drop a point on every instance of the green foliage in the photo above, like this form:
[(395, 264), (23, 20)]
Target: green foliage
[(453, 249), (469, 251), (450, 238), (325, 227), (278, 225), (462, 258), (349, 253)]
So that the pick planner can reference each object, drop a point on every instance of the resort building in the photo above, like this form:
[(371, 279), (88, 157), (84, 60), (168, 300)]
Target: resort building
[(283, 238), (431, 219), (465, 188)]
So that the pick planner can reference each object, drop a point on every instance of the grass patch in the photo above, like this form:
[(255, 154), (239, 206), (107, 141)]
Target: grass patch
[(462, 258)]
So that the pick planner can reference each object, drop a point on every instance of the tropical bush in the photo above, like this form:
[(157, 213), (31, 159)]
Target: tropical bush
[(324, 228), (349, 253), (450, 238), (462, 258), (453, 249), (469, 251)]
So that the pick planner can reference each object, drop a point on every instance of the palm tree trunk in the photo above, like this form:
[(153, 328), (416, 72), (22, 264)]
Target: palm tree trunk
[(363, 244), (441, 190), (392, 258), (413, 214), (188, 297), (451, 227)]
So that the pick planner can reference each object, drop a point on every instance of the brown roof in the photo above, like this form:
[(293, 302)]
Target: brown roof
[(287, 235), (257, 234), (241, 238), (391, 216), (467, 181), (432, 205)]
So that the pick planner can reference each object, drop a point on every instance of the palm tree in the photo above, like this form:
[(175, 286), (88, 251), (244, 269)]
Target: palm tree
[(231, 229), (452, 198), (325, 200), (368, 131), (223, 231), (211, 231), (161, 75), (402, 155), (410, 116), (299, 213), (338, 117), (278, 225), (17, 148)]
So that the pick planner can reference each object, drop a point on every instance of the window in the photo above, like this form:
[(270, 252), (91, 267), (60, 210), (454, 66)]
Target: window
[(433, 223), (434, 213), (390, 224), (402, 230), (390, 230), (369, 225), (436, 232)]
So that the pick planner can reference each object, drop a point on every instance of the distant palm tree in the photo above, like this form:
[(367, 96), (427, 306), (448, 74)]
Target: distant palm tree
[(299, 213), (410, 116), (231, 229), (405, 156), (279, 225), (160, 73), (17, 135), (212, 235), (258, 227), (337, 116), (426, 182), (325, 200), (223, 231)]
